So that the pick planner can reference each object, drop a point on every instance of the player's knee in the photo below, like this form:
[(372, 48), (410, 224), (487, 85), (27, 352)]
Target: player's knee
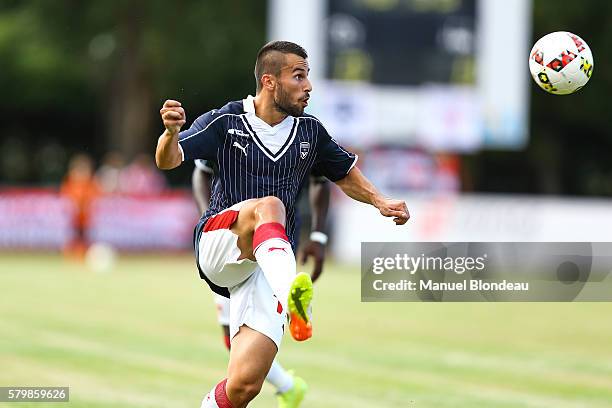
[(271, 203), (243, 390), (251, 390)]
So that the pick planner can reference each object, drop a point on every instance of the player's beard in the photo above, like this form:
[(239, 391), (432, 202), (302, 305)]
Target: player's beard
[(282, 103)]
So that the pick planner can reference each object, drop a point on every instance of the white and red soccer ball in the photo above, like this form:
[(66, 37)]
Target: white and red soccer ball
[(561, 63)]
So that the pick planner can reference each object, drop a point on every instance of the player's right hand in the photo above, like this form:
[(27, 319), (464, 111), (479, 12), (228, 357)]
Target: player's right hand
[(396, 209), (173, 116)]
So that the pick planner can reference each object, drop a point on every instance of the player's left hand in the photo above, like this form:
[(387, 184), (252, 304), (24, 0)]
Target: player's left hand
[(394, 208), (315, 250)]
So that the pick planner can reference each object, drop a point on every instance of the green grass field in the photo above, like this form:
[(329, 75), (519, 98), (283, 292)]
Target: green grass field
[(145, 335)]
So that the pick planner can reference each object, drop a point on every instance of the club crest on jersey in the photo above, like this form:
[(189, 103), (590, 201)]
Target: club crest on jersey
[(237, 132), (304, 149)]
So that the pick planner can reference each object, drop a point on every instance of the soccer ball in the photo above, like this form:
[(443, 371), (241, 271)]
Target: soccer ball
[(101, 257), (561, 63)]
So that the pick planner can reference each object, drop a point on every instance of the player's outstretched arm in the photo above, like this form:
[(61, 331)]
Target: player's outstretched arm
[(358, 187), (168, 154)]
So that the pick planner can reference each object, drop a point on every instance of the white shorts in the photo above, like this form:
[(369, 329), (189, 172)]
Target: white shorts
[(252, 301)]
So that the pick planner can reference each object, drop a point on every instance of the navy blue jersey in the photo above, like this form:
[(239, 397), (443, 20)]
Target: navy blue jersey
[(245, 167), (210, 168)]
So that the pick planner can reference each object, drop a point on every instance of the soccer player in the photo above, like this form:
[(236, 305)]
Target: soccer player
[(264, 146), (290, 388)]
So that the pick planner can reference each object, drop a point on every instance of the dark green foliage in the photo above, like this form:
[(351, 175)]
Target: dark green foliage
[(92, 75)]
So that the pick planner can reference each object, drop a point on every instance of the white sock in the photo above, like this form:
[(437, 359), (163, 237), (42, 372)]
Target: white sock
[(209, 400), (277, 261), (279, 378)]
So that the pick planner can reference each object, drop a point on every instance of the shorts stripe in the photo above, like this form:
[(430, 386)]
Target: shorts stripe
[(223, 220)]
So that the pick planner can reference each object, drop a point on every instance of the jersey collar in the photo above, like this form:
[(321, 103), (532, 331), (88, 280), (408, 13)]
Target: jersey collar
[(248, 104)]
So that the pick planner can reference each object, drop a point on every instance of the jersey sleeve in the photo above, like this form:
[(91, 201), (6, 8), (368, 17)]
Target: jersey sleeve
[(203, 138), (317, 177), (333, 161), (205, 165)]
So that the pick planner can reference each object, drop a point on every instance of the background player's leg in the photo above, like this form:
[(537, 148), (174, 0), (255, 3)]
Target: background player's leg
[(279, 377), (226, 336), (223, 316)]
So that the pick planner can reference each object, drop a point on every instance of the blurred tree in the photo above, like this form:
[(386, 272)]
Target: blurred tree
[(92, 74)]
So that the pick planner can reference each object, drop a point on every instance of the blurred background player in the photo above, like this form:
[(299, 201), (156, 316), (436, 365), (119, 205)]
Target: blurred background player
[(141, 177), (290, 388), (109, 172), (81, 187)]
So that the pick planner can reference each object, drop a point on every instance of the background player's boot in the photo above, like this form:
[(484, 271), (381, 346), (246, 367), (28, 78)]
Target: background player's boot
[(300, 296), (293, 397)]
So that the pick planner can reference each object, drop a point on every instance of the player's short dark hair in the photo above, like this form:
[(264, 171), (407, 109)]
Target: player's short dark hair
[(269, 61)]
